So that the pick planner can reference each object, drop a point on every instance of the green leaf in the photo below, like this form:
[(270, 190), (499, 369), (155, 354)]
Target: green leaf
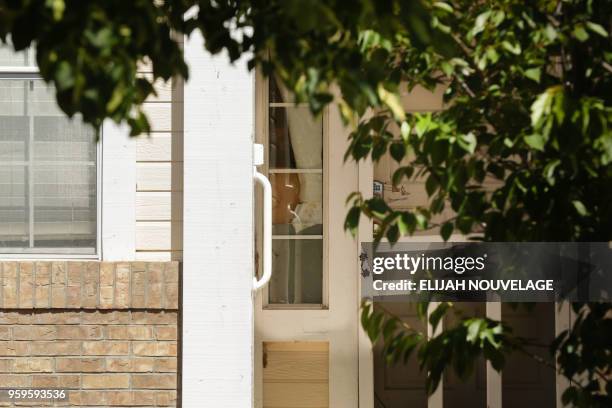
[(437, 314), (492, 55), (513, 48), (405, 131), (365, 314), (498, 17), (398, 151), (446, 231), (64, 76), (550, 32), (421, 308), (570, 395), (467, 142), (535, 141), (399, 174), (473, 329), (378, 207), (447, 68), (580, 208), (549, 171), (393, 233), (437, 204), (580, 33), (534, 74), (391, 100), (58, 7), (406, 223), (443, 6), (479, 24), (431, 185), (352, 220), (389, 328), (347, 113), (115, 100), (422, 124), (422, 220), (596, 28), (542, 105)]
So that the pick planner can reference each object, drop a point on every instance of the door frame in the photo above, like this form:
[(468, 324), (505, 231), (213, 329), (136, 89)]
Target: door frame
[(336, 320)]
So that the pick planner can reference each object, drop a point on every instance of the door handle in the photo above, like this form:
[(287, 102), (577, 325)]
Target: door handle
[(267, 219)]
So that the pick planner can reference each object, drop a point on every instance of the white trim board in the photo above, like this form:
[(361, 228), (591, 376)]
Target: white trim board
[(118, 220), (217, 354)]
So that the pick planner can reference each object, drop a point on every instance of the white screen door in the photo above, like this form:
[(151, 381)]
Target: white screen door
[(306, 319)]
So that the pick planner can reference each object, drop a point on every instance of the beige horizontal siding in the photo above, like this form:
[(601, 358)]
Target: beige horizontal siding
[(159, 235), (159, 206), (160, 115), (159, 146), (164, 176), (423, 100), (159, 177), (159, 256), (163, 89)]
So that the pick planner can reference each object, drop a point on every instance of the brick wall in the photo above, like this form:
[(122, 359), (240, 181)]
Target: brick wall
[(106, 332)]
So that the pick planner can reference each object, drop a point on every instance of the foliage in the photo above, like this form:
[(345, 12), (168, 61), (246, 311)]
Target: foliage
[(584, 356), (525, 140), (458, 347), (583, 351), (521, 152), (90, 50)]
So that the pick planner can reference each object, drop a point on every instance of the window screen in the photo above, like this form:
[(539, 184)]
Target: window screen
[(48, 173)]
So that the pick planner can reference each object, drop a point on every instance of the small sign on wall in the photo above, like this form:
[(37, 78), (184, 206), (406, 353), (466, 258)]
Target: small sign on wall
[(378, 189)]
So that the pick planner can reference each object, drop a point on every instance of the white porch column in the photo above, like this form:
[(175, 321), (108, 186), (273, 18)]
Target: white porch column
[(217, 354)]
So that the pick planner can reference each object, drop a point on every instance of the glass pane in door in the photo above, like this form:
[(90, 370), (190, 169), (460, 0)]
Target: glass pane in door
[(296, 271), (295, 152)]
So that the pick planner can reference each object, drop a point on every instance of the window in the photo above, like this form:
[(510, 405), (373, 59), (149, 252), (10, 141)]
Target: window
[(48, 167), (295, 168)]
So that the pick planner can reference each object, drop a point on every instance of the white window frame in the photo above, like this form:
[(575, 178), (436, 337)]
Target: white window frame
[(32, 73), (262, 134)]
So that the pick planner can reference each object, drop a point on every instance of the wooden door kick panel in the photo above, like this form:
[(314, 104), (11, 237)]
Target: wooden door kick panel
[(295, 374)]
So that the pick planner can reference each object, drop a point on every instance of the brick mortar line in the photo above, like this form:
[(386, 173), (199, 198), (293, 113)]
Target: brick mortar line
[(18, 284), (130, 287), (80, 363), (65, 283), (2, 285), (34, 266), (50, 267), (114, 285), (50, 283), (98, 300), (81, 284), (31, 310), (163, 286), (130, 356), (146, 284)]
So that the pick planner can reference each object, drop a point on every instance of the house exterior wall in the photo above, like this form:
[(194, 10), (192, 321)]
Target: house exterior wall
[(159, 176), (142, 181), (107, 332)]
